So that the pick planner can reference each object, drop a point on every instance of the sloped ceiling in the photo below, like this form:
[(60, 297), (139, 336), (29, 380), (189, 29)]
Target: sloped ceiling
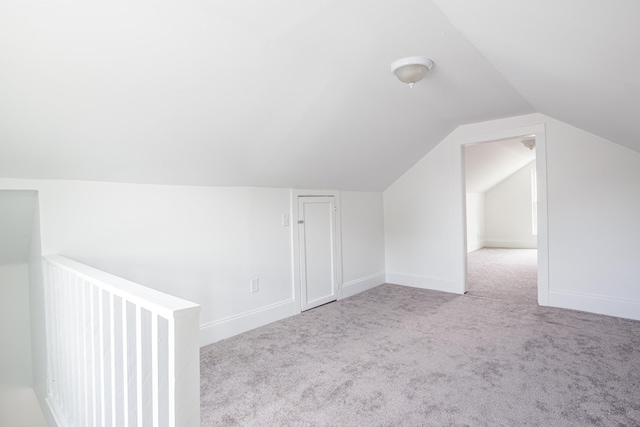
[(574, 60), (490, 163), (294, 93), (285, 93)]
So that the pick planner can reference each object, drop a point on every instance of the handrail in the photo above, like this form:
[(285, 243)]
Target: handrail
[(156, 301), (119, 353)]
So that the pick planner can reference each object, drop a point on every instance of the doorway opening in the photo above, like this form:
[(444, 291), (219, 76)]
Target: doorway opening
[(501, 219)]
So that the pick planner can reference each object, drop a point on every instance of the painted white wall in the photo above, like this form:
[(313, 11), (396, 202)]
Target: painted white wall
[(362, 241), (593, 195), (22, 358), (16, 213), (475, 204), (15, 335), (37, 315), (508, 212), (202, 244), (418, 211)]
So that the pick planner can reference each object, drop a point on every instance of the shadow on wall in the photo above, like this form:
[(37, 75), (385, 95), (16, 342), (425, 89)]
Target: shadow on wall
[(21, 309)]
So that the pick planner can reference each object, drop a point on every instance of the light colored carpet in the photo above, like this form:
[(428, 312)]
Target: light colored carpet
[(399, 356), (506, 274)]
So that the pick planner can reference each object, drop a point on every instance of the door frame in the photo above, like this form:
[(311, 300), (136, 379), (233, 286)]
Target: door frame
[(295, 242), (541, 173)]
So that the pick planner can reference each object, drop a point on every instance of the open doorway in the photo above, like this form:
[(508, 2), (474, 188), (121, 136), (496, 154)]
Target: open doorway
[(500, 187)]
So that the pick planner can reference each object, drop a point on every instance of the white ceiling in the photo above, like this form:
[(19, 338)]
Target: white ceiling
[(574, 60), (489, 163), (293, 93)]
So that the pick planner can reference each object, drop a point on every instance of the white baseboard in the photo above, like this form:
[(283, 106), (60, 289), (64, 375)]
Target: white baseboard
[(50, 412), (363, 284), (422, 282), (511, 244), (243, 322), (625, 308)]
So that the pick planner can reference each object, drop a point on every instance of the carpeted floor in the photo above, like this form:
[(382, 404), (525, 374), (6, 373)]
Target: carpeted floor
[(505, 274), (399, 356)]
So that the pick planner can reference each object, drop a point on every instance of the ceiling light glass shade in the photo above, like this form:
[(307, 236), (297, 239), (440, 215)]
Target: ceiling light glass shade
[(411, 70)]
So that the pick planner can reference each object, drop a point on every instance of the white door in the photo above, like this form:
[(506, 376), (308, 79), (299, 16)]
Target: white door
[(317, 230)]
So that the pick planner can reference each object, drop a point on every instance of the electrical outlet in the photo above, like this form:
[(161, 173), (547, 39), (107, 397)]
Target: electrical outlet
[(254, 284)]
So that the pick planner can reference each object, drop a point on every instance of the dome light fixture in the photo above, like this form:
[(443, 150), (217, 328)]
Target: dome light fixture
[(412, 69), (530, 143)]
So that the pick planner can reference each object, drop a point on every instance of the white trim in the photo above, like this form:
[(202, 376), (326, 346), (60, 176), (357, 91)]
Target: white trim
[(460, 233), (63, 277), (600, 304), (155, 301), (243, 322), (295, 242), (362, 284), (51, 414), (459, 186), (515, 244), (543, 224), (422, 282)]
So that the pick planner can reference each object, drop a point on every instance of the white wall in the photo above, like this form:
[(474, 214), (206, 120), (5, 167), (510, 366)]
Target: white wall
[(475, 205), (593, 195), (15, 335), (418, 212), (22, 354), (37, 315), (362, 241), (203, 244), (508, 212)]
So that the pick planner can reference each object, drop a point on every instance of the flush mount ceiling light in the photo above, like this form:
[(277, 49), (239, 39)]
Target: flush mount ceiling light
[(530, 143), (412, 69)]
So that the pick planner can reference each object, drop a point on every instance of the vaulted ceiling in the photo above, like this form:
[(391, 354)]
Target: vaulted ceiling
[(295, 93), (573, 60), (490, 163)]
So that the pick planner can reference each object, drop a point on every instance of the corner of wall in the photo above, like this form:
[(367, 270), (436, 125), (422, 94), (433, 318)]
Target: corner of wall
[(234, 325), (363, 284), (600, 304), (422, 282), (37, 311)]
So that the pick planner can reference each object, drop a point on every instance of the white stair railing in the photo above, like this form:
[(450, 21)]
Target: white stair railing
[(119, 354)]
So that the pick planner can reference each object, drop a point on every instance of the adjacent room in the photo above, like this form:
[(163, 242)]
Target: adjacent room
[(501, 219), (420, 212)]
